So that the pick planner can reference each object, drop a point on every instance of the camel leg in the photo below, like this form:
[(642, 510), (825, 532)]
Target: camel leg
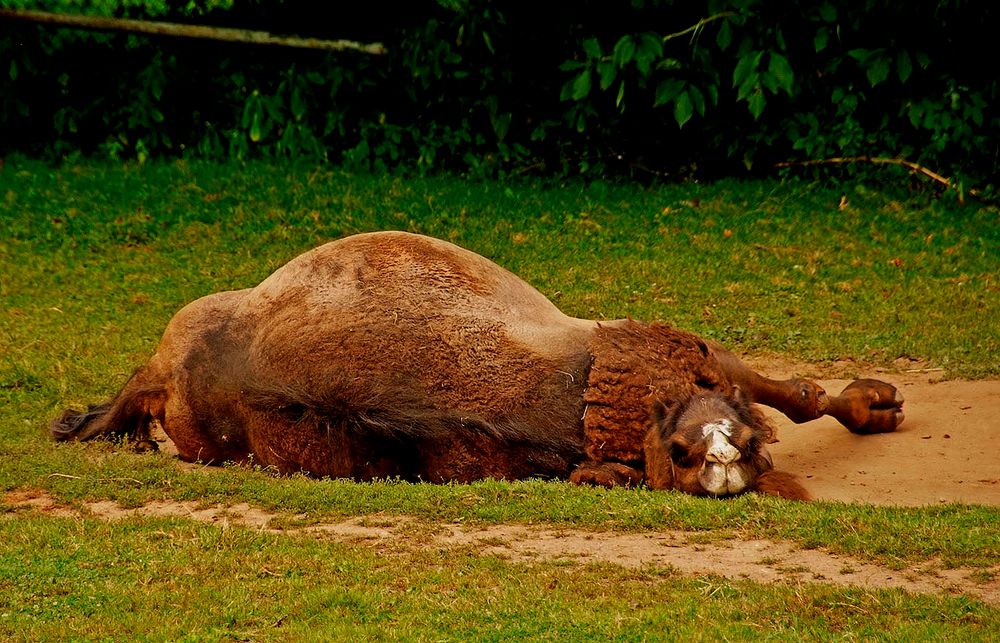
[(864, 406)]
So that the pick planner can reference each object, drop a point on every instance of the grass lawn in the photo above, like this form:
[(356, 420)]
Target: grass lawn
[(95, 259)]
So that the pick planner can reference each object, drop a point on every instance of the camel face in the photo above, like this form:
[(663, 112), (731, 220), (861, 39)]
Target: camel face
[(715, 448)]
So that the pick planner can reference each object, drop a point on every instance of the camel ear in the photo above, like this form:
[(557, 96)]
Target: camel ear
[(780, 483), (663, 417), (739, 396)]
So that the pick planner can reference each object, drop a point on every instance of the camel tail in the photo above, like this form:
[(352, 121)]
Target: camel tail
[(128, 414)]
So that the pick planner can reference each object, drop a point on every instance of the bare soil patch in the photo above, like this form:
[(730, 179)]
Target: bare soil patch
[(764, 561), (945, 450)]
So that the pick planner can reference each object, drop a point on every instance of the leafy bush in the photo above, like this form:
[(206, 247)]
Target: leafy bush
[(653, 87)]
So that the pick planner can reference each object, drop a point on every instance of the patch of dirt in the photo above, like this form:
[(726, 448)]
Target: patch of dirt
[(764, 561), (945, 450)]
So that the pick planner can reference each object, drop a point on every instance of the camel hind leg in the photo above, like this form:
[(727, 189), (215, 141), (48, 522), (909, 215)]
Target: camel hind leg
[(865, 406)]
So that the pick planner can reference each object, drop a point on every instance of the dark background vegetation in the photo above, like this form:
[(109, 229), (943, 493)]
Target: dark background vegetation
[(647, 88)]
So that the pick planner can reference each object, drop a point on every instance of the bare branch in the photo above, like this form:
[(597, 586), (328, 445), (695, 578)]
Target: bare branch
[(174, 29)]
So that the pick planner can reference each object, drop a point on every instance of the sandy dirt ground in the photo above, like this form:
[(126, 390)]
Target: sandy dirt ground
[(946, 450), (764, 561)]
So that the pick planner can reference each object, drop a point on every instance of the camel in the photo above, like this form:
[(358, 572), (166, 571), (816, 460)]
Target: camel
[(391, 354)]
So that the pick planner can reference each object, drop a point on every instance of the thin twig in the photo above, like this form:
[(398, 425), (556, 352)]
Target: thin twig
[(698, 25), (156, 28), (876, 160), (63, 475)]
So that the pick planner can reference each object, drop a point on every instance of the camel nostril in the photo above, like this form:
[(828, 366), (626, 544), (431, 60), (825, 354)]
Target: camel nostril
[(723, 456)]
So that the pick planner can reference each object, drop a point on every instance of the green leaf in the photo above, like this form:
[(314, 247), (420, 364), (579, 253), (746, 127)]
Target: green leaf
[(13, 70), (782, 72), (779, 37), (745, 68), (725, 36), (828, 12), (683, 109), (607, 71), (489, 42), (581, 85), (768, 80), (878, 71), (904, 65), (649, 51), (298, 105), (567, 91), (861, 55), (592, 47), (255, 127), (624, 51), (501, 124), (571, 65), (621, 95), (651, 44), (821, 38), (697, 99), (670, 64), (713, 94), (248, 110), (756, 104), (667, 90)]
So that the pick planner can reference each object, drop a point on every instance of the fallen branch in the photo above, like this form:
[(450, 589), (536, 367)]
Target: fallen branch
[(876, 160), (101, 23)]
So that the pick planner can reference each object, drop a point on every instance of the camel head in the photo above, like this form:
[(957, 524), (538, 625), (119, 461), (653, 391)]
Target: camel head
[(713, 444)]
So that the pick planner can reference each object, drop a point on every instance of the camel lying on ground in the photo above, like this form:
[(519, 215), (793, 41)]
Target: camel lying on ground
[(396, 355)]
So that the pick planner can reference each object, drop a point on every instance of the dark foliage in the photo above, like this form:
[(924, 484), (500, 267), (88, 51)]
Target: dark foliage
[(649, 88)]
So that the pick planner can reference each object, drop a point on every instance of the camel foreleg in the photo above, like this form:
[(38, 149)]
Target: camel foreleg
[(865, 406)]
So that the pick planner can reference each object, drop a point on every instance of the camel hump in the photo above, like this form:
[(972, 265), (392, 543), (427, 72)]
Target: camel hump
[(389, 269)]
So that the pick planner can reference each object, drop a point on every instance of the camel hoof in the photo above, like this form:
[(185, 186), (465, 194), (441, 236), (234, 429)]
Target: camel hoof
[(606, 474), (880, 421), (145, 446), (878, 407)]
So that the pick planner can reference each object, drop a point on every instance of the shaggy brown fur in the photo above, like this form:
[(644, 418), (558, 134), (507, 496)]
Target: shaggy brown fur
[(391, 354), (636, 365)]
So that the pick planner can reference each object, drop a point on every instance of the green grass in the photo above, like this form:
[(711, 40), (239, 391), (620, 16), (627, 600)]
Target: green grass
[(95, 259), (172, 579)]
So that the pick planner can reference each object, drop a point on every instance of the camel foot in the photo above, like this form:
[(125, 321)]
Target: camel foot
[(606, 474), (869, 406)]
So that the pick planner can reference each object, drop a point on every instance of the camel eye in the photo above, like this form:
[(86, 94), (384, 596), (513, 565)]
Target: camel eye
[(680, 455)]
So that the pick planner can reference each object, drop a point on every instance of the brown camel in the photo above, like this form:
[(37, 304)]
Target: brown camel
[(391, 354)]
